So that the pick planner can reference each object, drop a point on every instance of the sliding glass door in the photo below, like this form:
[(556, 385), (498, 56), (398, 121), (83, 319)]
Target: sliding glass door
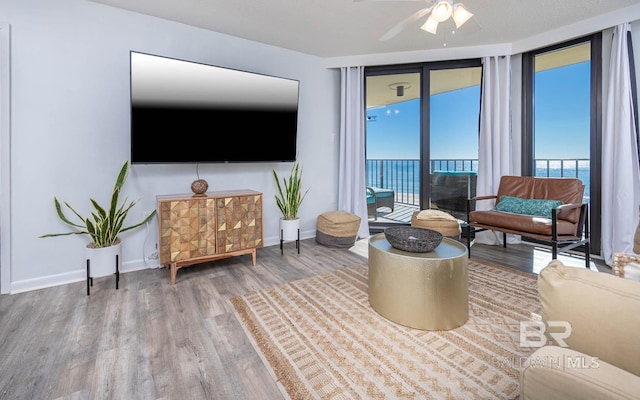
[(393, 145), (421, 138), (454, 113)]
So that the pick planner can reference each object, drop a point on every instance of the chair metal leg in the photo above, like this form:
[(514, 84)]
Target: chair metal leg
[(587, 255), (468, 229)]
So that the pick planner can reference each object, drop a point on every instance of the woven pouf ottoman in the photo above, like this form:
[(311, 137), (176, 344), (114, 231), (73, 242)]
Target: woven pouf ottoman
[(337, 228), (437, 220)]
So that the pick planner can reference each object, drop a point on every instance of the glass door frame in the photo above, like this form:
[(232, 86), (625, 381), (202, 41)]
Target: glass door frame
[(528, 162), (425, 149)]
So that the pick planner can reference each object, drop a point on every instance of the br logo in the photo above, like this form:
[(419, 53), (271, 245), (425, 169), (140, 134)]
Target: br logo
[(532, 333)]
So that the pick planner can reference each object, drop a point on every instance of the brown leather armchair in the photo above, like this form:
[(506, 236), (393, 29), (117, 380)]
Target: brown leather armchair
[(566, 227)]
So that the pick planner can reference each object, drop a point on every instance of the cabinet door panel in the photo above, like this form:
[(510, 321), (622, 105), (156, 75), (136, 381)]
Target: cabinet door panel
[(239, 223), (187, 229)]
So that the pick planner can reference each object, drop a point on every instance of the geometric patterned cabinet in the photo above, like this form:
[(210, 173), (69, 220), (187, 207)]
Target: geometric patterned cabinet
[(196, 229)]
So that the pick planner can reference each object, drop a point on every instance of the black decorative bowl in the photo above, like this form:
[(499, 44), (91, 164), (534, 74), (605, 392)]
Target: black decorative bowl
[(413, 239)]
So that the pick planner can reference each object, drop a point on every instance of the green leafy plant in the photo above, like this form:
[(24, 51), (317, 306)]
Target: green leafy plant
[(103, 226), (289, 199)]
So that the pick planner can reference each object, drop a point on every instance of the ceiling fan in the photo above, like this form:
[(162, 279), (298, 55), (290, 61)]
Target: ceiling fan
[(440, 10)]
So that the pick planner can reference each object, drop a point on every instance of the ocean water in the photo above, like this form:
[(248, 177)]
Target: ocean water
[(403, 176)]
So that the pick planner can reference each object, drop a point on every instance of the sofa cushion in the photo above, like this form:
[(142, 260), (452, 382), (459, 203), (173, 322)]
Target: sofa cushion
[(382, 192), (601, 308), (522, 223), (517, 205), (553, 372)]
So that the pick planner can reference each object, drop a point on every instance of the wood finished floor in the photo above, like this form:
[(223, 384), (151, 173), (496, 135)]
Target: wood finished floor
[(154, 340)]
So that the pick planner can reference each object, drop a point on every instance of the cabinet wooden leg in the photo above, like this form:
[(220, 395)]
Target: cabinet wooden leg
[(174, 272), (253, 257)]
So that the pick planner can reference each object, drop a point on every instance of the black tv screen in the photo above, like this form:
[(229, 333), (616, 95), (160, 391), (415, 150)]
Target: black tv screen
[(188, 112)]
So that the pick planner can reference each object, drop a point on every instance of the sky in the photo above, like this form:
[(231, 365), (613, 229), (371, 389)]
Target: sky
[(562, 107)]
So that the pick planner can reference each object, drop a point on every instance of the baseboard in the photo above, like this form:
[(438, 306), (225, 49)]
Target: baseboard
[(80, 275), (66, 278), (275, 240)]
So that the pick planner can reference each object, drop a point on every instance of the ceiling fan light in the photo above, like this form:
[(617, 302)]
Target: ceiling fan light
[(460, 15), (441, 11), (431, 25)]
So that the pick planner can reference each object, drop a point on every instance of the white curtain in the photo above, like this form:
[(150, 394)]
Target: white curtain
[(351, 177), (494, 158), (620, 170)]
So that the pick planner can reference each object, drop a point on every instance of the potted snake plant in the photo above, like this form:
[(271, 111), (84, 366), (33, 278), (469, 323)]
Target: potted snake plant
[(289, 196), (103, 226)]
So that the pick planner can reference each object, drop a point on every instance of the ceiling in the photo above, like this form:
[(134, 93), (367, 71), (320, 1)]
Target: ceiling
[(381, 89), (341, 28)]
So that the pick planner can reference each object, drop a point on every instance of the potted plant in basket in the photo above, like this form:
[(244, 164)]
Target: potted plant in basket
[(289, 200), (103, 226)]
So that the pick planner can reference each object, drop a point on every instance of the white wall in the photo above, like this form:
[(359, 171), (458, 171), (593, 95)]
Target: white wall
[(70, 124), (5, 157), (70, 128)]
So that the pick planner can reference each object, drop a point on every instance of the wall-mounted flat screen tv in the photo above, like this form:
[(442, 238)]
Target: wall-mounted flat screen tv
[(188, 112)]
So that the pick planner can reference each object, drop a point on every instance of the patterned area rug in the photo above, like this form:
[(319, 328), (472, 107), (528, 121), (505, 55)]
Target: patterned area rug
[(321, 339)]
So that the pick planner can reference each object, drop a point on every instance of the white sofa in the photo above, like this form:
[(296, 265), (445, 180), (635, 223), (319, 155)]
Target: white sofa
[(602, 360)]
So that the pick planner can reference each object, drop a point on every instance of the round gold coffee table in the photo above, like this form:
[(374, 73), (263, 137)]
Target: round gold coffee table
[(419, 290)]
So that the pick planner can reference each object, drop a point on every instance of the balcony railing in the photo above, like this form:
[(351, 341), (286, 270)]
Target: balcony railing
[(403, 176)]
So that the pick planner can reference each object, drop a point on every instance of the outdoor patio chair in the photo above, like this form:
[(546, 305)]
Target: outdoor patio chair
[(384, 197)]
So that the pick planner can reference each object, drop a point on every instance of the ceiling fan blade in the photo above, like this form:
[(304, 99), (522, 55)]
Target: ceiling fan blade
[(398, 28)]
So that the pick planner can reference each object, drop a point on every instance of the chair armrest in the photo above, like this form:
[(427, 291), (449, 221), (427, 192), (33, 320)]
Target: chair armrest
[(372, 195), (484, 197), (553, 372), (476, 198), (568, 206), (583, 219)]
